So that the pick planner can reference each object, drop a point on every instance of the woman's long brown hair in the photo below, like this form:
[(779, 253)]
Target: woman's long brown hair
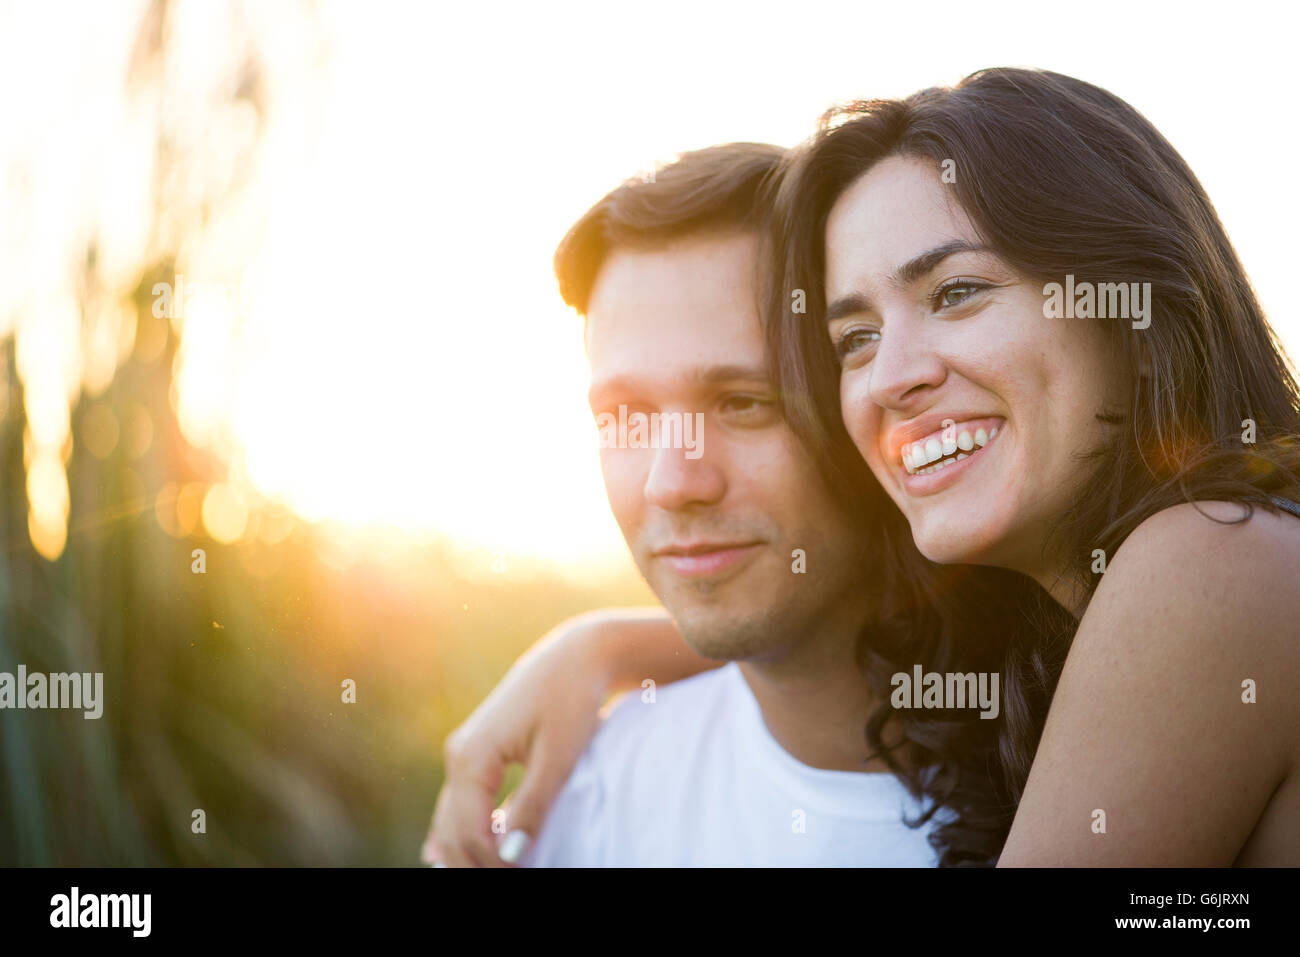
[(1061, 178)]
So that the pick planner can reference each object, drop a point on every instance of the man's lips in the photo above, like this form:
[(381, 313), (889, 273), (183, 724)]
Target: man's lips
[(705, 558)]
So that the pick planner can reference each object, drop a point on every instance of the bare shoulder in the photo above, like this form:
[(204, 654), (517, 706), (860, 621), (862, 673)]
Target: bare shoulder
[(1229, 525), (1207, 578), (1177, 710), (1219, 563)]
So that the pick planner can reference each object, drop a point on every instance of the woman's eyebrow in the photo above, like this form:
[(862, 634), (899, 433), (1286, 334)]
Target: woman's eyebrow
[(918, 266), (904, 275), (849, 305)]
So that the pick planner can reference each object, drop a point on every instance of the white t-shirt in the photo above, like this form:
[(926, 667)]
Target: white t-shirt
[(696, 779)]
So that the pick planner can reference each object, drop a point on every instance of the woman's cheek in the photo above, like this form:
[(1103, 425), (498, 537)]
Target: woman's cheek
[(861, 414)]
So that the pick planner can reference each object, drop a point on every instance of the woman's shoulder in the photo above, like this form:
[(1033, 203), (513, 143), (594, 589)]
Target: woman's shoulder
[(1206, 581), (1252, 547), (1179, 700)]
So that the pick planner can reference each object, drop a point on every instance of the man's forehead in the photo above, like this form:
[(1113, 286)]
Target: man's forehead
[(686, 314), (696, 275), (703, 374), (694, 349)]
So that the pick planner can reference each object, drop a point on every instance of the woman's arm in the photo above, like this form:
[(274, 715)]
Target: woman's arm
[(1150, 755), (542, 715), (634, 644)]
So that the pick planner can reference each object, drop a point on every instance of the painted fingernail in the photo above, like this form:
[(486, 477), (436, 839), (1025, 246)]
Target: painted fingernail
[(513, 846)]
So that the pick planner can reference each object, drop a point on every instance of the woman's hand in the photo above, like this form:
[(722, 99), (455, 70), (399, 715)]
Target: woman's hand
[(542, 715)]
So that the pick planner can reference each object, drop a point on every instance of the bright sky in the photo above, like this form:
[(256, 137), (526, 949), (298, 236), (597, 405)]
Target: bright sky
[(409, 360)]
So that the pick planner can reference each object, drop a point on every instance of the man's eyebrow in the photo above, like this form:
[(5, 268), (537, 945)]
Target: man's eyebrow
[(904, 275), (619, 385), (706, 375), (713, 375)]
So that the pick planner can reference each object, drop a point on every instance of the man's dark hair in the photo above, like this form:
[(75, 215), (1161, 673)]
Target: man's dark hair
[(715, 190)]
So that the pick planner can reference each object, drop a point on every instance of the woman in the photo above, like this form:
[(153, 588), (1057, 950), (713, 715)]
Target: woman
[(1051, 359)]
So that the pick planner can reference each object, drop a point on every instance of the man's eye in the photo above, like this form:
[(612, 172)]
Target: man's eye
[(854, 339), (740, 403), (747, 407)]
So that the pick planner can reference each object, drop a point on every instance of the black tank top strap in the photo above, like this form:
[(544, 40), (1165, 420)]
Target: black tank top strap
[(1286, 505)]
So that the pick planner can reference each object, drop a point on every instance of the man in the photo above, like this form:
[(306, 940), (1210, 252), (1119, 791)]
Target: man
[(761, 761)]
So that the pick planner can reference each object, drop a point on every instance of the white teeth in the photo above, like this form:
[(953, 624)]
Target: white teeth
[(933, 454)]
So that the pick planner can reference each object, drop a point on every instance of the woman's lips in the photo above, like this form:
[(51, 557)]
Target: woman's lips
[(702, 561)]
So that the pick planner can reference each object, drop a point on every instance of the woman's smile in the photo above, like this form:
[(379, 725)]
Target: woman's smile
[(938, 461)]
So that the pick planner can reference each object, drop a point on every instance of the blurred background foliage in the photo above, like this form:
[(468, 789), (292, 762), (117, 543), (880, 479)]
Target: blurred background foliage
[(222, 689)]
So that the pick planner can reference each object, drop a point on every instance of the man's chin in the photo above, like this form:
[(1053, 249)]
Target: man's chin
[(721, 619), (724, 636)]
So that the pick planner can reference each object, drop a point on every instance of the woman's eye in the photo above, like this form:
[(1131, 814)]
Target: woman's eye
[(851, 340), (954, 294)]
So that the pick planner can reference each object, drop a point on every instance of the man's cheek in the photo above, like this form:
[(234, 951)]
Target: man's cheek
[(625, 480)]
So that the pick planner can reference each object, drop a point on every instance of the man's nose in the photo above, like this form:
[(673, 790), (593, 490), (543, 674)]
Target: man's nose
[(677, 480)]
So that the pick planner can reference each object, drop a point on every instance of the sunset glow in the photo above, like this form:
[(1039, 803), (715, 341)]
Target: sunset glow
[(380, 341)]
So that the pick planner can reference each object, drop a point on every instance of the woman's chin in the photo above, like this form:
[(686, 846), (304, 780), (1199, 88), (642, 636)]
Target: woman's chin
[(943, 547)]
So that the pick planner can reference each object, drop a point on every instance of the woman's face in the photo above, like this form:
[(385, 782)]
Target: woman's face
[(970, 406)]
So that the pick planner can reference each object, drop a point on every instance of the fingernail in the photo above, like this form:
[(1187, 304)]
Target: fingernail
[(429, 852), (513, 846)]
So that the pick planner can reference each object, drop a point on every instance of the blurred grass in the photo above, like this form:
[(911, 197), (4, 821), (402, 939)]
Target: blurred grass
[(223, 690)]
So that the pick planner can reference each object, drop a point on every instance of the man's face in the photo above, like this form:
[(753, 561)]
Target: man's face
[(714, 530)]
